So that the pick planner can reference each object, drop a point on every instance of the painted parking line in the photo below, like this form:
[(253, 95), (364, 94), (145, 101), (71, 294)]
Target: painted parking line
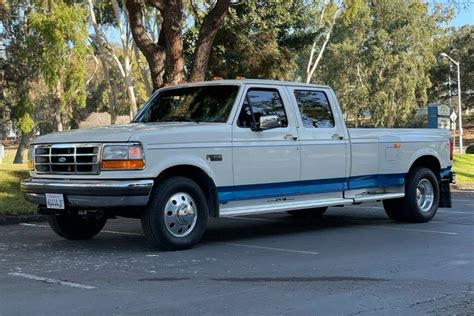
[(455, 212), (51, 281), (469, 201), (412, 230), (270, 248), (121, 233), (32, 225), (103, 231)]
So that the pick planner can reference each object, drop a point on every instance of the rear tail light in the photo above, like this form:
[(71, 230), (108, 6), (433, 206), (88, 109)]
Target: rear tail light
[(451, 149)]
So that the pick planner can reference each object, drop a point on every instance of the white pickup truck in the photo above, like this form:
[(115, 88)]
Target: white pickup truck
[(233, 147)]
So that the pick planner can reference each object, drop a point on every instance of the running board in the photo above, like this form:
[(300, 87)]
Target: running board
[(281, 206), (375, 197)]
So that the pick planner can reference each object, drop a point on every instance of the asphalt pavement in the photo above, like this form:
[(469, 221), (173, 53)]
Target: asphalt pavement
[(353, 260)]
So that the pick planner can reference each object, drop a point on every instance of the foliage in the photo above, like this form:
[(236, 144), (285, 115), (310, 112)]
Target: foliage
[(379, 62), (63, 31), (470, 149), (19, 65), (261, 39), (459, 45)]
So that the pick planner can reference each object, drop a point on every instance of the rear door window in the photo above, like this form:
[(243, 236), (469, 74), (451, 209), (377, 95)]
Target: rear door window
[(314, 108)]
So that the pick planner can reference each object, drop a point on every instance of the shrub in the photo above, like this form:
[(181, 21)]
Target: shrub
[(470, 149)]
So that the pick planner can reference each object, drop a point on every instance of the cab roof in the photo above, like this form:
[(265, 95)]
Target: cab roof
[(248, 81)]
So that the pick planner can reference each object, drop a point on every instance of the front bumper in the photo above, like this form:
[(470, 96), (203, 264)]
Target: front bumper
[(89, 193)]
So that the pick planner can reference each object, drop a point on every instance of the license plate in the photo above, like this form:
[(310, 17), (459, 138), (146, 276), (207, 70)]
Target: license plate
[(55, 201)]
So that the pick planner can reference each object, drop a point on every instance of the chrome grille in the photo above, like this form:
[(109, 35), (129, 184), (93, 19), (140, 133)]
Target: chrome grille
[(67, 158)]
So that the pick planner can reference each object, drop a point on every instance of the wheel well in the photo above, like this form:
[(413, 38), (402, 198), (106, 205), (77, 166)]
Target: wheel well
[(202, 179), (429, 162)]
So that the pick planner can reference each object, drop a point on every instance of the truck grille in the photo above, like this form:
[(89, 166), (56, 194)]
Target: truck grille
[(67, 158)]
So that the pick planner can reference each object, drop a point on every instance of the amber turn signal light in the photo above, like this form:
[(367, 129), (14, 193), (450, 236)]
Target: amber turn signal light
[(123, 164)]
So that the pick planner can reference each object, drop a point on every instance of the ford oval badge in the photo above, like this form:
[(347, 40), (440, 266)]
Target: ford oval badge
[(62, 159)]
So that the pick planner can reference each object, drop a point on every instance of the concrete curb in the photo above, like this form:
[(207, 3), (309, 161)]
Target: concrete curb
[(468, 188), (16, 219)]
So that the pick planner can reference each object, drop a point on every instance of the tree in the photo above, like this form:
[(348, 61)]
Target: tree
[(381, 66), (459, 44), (324, 27), (19, 63), (166, 56), (63, 32), (261, 39)]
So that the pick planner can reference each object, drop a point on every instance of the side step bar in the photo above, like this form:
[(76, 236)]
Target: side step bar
[(283, 206)]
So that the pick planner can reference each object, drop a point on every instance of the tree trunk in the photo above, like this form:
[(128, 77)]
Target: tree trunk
[(174, 64), (210, 26), (312, 67), (57, 116), (24, 141), (127, 69), (154, 53)]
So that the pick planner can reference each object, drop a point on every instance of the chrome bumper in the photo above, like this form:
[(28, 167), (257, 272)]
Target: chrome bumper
[(89, 193)]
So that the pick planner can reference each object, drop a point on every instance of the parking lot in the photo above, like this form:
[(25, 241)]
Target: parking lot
[(353, 260)]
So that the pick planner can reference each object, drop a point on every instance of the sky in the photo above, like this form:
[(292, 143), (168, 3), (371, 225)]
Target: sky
[(463, 17)]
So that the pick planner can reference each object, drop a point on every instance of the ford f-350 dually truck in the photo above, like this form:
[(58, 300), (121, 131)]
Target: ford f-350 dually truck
[(233, 147)]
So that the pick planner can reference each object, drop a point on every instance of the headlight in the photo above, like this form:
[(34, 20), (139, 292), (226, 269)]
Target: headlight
[(31, 158), (123, 157)]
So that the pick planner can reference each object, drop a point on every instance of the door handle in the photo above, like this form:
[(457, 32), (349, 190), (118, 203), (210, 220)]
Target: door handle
[(337, 136), (289, 136)]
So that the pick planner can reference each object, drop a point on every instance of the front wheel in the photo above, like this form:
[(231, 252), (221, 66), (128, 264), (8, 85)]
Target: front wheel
[(70, 225), (176, 215), (421, 200)]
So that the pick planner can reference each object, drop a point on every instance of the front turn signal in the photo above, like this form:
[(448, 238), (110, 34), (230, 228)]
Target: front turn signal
[(135, 164)]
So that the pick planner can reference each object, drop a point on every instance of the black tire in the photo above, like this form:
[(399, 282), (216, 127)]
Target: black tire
[(407, 209), (68, 224), (311, 212), (154, 224)]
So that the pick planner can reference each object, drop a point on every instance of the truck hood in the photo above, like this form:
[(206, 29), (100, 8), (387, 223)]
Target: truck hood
[(178, 131)]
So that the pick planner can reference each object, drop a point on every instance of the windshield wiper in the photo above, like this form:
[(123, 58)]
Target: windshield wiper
[(178, 119)]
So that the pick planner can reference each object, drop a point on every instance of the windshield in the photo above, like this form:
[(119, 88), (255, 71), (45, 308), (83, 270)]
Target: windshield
[(193, 104)]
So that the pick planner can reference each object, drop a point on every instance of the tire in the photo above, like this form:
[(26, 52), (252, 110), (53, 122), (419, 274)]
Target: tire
[(311, 212), (176, 215), (70, 225), (421, 200)]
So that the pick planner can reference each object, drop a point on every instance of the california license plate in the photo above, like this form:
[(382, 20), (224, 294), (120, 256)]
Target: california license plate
[(55, 201)]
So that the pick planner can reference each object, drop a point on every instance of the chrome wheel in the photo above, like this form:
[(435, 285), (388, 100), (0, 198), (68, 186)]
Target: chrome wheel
[(425, 195), (180, 214)]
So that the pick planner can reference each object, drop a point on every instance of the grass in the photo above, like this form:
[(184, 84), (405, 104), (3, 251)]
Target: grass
[(463, 165), (12, 201)]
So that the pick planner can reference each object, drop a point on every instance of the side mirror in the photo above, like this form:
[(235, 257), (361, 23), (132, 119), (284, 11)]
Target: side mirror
[(267, 122)]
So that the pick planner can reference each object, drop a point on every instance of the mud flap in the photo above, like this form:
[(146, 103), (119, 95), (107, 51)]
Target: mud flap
[(445, 194)]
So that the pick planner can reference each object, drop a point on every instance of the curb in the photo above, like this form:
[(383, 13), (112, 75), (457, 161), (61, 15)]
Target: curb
[(467, 188), (16, 219)]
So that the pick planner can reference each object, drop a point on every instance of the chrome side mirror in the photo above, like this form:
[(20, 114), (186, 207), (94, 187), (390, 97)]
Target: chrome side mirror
[(267, 122)]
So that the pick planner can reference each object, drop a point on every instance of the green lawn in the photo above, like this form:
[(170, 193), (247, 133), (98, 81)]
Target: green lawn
[(463, 165), (12, 201)]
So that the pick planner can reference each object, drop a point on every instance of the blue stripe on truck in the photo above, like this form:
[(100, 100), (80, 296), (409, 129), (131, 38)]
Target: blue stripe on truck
[(256, 191)]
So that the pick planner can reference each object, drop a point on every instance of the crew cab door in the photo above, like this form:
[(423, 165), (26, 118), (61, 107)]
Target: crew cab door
[(324, 142), (265, 161)]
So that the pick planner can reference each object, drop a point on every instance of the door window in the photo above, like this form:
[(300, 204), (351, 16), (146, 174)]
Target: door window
[(314, 108), (261, 102)]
